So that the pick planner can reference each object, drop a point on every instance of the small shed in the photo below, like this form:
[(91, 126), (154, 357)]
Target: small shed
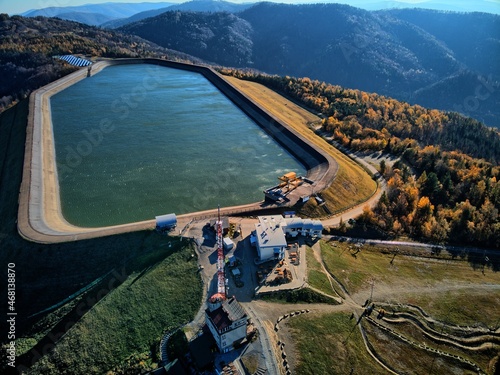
[(166, 222), (228, 244), (236, 272)]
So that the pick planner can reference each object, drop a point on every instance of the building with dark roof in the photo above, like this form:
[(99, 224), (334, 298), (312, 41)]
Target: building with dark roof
[(227, 323)]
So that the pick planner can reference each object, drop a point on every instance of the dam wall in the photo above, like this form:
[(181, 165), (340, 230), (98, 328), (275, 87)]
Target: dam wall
[(40, 218)]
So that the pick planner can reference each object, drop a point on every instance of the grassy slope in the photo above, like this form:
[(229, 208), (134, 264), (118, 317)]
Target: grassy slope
[(345, 350), (447, 289), (315, 275), (426, 282), (131, 319), (467, 307), (407, 359), (352, 184), (48, 274), (332, 345)]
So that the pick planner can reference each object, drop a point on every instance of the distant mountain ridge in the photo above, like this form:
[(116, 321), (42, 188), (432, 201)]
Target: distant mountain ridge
[(399, 53), (190, 6), (116, 10), (114, 15), (92, 19), (95, 12), (28, 45), (486, 6)]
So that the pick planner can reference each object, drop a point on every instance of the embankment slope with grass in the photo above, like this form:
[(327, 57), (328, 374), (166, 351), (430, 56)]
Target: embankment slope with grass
[(140, 284), (352, 184)]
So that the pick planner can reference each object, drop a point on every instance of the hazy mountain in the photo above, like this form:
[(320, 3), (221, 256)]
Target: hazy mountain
[(109, 10), (346, 46), (93, 19), (487, 6), (406, 54), (211, 6), (218, 37), (193, 6), (136, 17), (473, 38)]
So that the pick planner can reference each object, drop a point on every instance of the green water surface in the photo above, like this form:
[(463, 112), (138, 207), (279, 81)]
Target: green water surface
[(136, 141)]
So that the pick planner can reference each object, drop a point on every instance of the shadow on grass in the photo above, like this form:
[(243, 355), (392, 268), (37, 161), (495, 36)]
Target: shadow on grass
[(141, 264), (47, 274)]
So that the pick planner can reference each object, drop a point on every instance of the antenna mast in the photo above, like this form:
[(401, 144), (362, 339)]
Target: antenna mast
[(221, 278)]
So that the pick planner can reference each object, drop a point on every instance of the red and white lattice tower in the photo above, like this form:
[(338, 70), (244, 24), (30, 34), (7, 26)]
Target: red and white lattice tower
[(221, 278), (220, 296)]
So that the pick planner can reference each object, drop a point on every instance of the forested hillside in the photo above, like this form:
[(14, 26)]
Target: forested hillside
[(474, 39), (28, 44), (395, 53), (415, 56), (222, 38), (189, 6), (444, 188)]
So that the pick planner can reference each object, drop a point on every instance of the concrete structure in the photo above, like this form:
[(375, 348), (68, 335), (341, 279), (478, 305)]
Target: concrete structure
[(269, 238), (270, 234), (306, 227), (166, 222), (40, 217), (227, 323), (228, 244)]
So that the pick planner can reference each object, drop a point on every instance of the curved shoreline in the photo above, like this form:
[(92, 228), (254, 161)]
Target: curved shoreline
[(40, 217)]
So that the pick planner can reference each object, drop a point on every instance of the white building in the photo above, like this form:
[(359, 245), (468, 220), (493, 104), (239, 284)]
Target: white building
[(269, 238), (227, 323), (270, 234), (306, 227)]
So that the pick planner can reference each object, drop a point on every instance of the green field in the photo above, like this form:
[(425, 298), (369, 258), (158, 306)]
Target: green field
[(330, 344), (132, 318), (125, 289), (316, 277), (459, 300)]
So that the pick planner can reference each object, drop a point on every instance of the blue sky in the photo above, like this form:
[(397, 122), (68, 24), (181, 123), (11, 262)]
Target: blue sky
[(20, 6)]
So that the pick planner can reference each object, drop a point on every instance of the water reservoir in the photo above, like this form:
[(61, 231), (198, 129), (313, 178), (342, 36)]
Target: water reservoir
[(136, 141)]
